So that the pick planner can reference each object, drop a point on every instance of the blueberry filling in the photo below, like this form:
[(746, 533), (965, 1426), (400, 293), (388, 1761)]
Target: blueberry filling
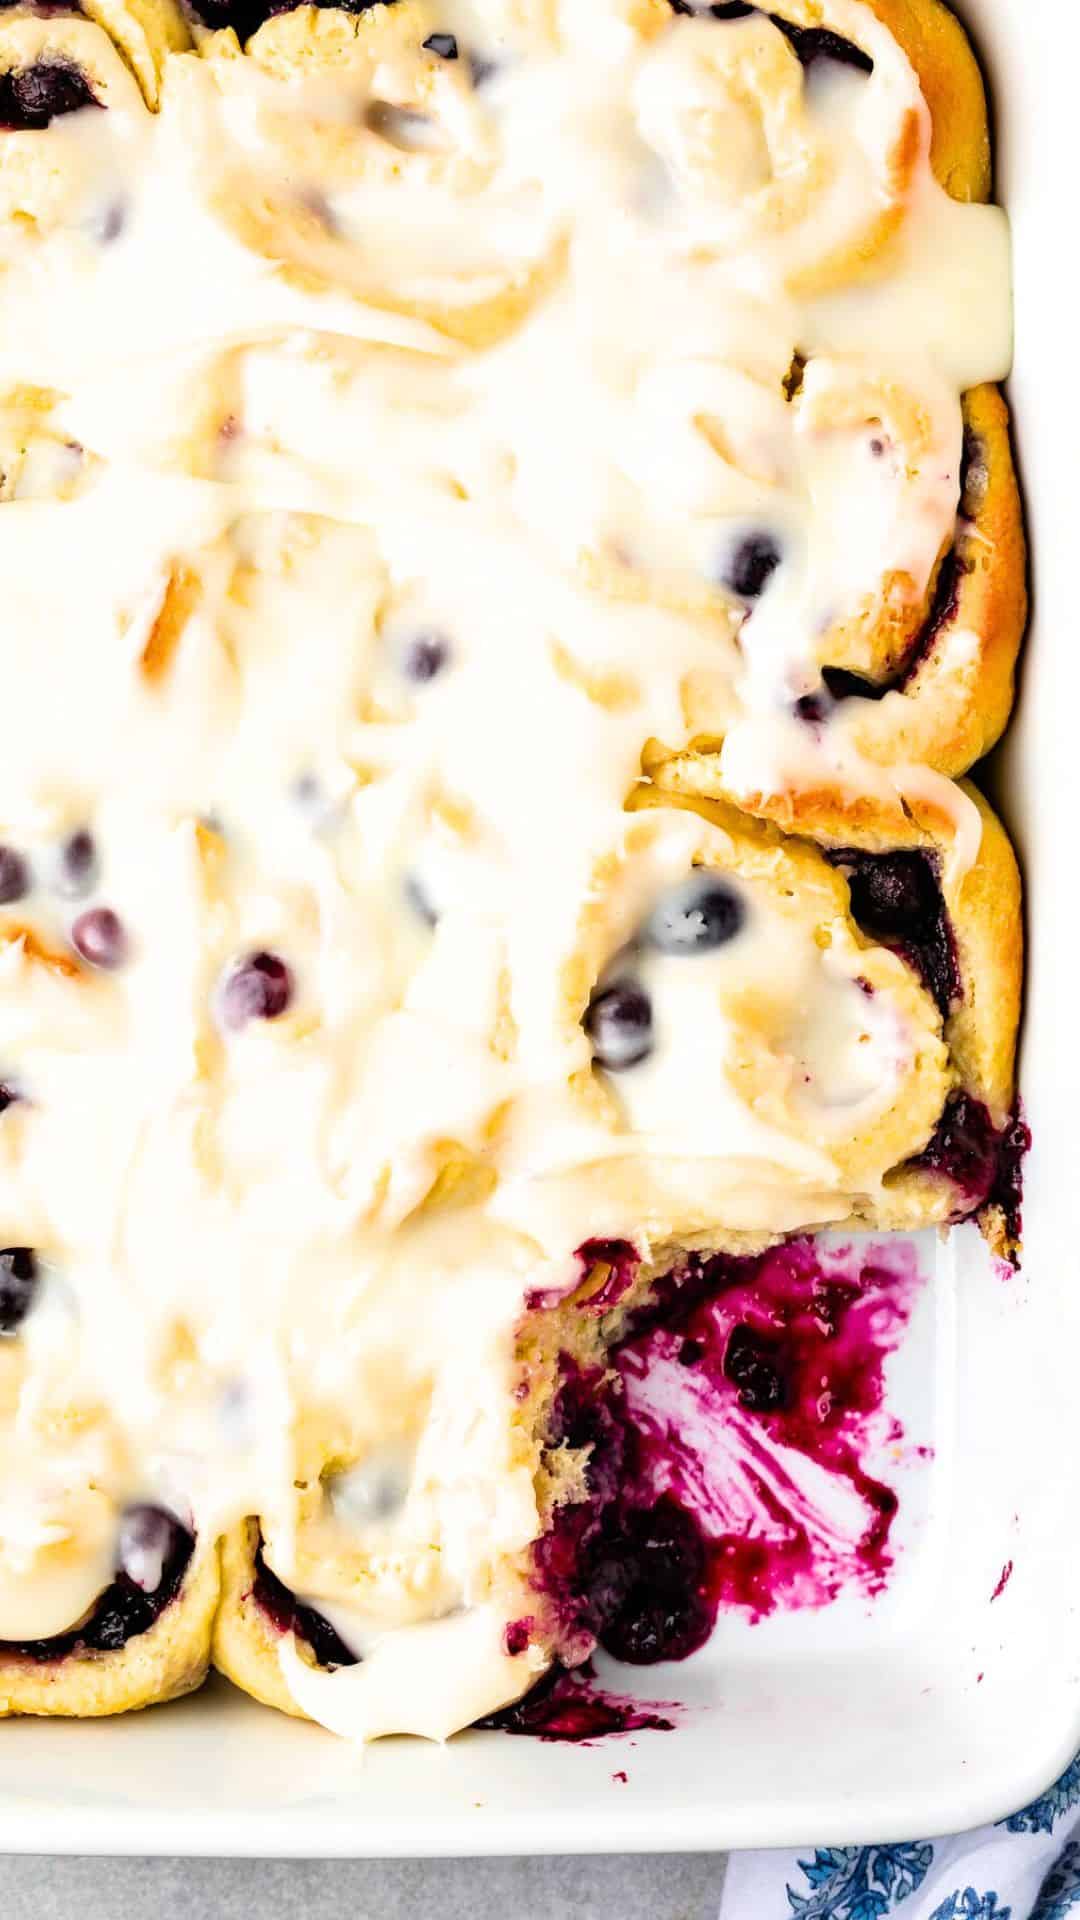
[(18, 1285), (444, 44), (751, 565), (897, 899), (289, 1615), (14, 876), (618, 1021), (983, 1164), (839, 683), (99, 937), (32, 97), (259, 987), (808, 43), (78, 864), (703, 914), (125, 1609)]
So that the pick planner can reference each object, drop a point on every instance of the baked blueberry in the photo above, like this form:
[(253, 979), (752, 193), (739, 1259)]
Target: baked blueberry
[(99, 937), (78, 864), (618, 1021), (424, 656), (444, 44), (648, 1585), (8, 1095), (149, 1539), (14, 876), (751, 565), (701, 915), (895, 896), (752, 1364), (18, 1284), (31, 97), (260, 987)]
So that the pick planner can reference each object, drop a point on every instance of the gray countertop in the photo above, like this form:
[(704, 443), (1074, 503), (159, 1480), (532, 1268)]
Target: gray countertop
[(602, 1887)]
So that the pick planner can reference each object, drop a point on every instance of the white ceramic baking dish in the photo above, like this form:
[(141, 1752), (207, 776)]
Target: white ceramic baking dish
[(937, 1708)]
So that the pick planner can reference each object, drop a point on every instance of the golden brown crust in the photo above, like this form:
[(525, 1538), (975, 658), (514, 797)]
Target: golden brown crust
[(169, 1660), (245, 1641), (952, 86)]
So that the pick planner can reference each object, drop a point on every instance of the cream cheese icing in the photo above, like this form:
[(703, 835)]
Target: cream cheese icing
[(382, 452)]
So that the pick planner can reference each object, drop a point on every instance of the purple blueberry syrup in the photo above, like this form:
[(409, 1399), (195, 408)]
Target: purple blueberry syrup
[(260, 987), (984, 1165), (289, 1615), (1003, 1579), (31, 97), (570, 1706), (123, 1611), (897, 899), (727, 1448)]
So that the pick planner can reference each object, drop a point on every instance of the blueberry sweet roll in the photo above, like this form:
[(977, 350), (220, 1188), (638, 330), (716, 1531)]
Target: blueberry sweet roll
[(383, 1586), (373, 166), (106, 1592), (782, 1036)]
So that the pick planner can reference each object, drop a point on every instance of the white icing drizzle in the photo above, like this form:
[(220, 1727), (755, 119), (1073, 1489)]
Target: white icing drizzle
[(245, 504)]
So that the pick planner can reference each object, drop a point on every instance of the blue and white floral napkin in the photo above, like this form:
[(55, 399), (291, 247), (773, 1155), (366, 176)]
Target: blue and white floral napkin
[(1024, 1868)]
